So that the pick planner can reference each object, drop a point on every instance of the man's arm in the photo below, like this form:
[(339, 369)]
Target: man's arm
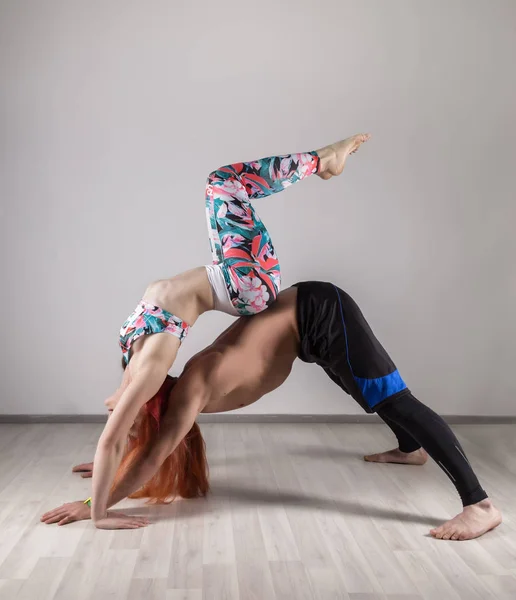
[(186, 401), (85, 469)]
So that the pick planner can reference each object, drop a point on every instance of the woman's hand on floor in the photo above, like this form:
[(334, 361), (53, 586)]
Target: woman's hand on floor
[(67, 513), (114, 520), (86, 470)]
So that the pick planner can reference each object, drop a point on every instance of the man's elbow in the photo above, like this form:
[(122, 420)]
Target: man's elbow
[(159, 454), (111, 444)]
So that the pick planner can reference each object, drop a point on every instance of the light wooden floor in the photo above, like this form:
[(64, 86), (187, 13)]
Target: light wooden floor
[(295, 514)]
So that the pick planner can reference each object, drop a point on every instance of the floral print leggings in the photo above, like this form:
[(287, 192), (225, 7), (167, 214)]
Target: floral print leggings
[(240, 243)]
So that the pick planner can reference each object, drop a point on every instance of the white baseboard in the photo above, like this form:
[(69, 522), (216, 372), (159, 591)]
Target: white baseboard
[(247, 418)]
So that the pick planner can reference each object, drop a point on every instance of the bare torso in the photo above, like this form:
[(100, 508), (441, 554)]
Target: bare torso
[(250, 359)]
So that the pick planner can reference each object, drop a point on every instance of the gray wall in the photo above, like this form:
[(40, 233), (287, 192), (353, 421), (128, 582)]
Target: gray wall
[(113, 112)]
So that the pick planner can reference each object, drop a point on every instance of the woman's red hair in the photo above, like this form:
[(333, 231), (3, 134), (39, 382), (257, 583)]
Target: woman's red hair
[(184, 473)]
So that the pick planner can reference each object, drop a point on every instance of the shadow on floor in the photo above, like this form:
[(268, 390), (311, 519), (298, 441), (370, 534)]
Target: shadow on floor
[(255, 496), (322, 452), (315, 452)]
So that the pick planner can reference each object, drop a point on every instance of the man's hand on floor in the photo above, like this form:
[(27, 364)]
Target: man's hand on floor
[(86, 470)]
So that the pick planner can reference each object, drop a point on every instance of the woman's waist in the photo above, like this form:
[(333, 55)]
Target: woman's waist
[(186, 296)]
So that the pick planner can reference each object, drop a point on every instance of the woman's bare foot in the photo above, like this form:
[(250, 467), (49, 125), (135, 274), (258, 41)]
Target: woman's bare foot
[(418, 457), (473, 521), (333, 157)]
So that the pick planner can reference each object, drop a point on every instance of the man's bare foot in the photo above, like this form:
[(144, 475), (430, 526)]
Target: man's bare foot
[(333, 157), (418, 457), (473, 521)]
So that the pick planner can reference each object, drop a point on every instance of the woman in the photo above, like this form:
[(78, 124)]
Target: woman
[(243, 280)]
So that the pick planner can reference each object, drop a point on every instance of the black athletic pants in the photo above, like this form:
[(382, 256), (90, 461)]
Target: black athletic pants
[(415, 426), (335, 334)]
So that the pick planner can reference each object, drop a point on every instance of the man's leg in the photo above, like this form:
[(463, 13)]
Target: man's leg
[(408, 452), (347, 349), (435, 436)]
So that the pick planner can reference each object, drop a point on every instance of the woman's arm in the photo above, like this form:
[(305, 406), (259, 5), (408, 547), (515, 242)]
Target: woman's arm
[(86, 469), (144, 385), (186, 401), (148, 369)]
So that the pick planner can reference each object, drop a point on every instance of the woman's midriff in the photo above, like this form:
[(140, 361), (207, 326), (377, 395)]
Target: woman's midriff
[(186, 296)]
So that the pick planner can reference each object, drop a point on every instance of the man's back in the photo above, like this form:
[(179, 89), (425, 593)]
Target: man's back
[(250, 358)]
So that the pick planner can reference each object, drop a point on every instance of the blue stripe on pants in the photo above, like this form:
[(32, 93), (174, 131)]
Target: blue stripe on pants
[(375, 391)]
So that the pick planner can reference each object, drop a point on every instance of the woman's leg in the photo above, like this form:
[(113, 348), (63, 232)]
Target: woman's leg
[(238, 237), (436, 437), (240, 243)]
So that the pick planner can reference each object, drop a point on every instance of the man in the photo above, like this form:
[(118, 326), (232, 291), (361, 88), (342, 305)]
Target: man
[(316, 322)]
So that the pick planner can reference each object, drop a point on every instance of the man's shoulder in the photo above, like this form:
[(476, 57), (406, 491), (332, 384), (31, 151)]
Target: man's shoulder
[(204, 363), (198, 378)]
